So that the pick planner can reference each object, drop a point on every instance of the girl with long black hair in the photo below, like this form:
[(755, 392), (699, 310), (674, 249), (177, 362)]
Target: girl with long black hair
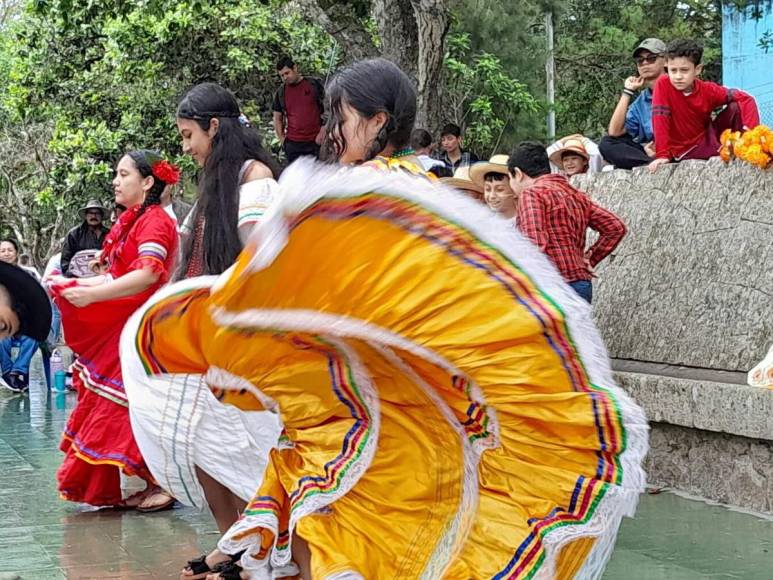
[(237, 180), (236, 186), (139, 255), (423, 357)]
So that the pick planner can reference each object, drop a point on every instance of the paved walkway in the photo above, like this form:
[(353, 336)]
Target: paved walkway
[(44, 538)]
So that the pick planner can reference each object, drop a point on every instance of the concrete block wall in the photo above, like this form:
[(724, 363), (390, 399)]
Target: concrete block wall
[(686, 307)]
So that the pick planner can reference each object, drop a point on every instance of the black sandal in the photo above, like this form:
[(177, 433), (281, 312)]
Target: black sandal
[(228, 570), (201, 569)]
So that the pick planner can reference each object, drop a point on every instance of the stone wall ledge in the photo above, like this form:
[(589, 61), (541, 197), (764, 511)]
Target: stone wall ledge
[(721, 407)]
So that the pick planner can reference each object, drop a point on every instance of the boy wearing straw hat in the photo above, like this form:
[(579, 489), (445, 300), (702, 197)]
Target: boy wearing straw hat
[(571, 157), (461, 181), (492, 177)]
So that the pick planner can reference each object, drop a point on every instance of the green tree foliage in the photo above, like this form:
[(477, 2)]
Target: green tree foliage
[(482, 97), (593, 45), (594, 42), (104, 76), (514, 32)]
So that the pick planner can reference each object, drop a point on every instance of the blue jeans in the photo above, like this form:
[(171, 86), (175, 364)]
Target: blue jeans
[(584, 288), (56, 326), (27, 348)]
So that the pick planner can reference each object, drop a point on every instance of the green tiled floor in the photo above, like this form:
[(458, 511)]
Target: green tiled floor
[(44, 538)]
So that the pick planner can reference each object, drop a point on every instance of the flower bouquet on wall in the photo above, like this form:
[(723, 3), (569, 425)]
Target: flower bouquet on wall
[(754, 146)]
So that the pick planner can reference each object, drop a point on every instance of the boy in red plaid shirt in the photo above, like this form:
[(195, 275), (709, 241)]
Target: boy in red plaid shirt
[(555, 216)]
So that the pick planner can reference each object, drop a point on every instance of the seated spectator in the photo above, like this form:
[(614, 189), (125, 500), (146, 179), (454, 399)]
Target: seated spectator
[(84, 241), (682, 107), (493, 177), (461, 181), (555, 216), (629, 143), (582, 153), (569, 156), (421, 143), (452, 153)]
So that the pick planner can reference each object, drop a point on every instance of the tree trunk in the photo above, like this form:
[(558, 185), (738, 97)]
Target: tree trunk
[(412, 34), (341, 21), (432, 24), (398, 32)]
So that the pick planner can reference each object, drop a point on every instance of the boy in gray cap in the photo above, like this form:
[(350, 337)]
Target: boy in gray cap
[(629, 143)]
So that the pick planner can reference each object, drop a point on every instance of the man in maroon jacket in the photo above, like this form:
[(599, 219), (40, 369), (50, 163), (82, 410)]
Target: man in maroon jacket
[(555, 217), (298, 108)]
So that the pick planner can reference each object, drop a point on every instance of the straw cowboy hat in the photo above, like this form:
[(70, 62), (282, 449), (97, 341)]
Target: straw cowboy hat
[(25, 291), (569, 144), (92, 204), (497, 164), (461, 180)]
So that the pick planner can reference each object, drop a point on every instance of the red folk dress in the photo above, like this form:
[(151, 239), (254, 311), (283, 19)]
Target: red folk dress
[(98, 439)]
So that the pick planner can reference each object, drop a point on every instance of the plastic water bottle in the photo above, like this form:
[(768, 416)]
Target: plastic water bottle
[(57, 370)]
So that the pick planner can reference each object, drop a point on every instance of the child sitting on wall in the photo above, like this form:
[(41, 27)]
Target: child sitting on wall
[(682, 107)]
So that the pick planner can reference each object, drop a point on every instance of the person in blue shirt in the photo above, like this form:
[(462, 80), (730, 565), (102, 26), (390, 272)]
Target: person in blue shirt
[(629, 142)]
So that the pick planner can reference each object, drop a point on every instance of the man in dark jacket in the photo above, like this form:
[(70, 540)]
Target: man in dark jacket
[(86, 238)]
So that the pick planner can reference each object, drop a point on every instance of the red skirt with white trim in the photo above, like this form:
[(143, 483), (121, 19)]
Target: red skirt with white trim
[(98, 439)]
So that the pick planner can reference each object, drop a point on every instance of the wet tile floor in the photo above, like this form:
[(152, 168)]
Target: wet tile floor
[(43, 538)]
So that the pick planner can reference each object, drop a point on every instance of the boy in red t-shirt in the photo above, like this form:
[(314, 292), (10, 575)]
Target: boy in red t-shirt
[(682, 107)]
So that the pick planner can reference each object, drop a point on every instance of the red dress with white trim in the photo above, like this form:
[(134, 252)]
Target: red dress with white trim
[(98, 439)]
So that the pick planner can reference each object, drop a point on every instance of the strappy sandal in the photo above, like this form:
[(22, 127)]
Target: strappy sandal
[(198, 567), (228, 571), (168, 504), (124, 503)]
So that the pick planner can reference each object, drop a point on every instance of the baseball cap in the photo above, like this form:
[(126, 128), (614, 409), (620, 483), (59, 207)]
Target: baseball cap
[(654, 45)]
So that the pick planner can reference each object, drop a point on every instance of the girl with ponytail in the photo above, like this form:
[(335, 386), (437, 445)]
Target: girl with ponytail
[(139, 255), (371, 113)]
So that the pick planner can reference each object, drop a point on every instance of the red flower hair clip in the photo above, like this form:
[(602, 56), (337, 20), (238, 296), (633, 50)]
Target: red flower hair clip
[(166, 172)]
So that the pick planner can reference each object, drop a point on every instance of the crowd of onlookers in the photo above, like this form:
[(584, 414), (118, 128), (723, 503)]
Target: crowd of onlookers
[(664, 114)]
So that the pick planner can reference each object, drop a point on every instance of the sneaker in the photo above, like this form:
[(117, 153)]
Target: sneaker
[(6, 381), (22, 382), (11, 382)]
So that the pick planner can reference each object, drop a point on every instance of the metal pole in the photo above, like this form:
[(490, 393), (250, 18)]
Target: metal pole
[(550, 73)]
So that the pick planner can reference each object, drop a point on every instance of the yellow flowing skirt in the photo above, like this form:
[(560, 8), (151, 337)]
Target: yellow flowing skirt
[(448, 406)]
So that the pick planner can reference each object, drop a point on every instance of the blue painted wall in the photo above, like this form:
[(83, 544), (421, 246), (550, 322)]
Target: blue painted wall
[(745, 65)]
